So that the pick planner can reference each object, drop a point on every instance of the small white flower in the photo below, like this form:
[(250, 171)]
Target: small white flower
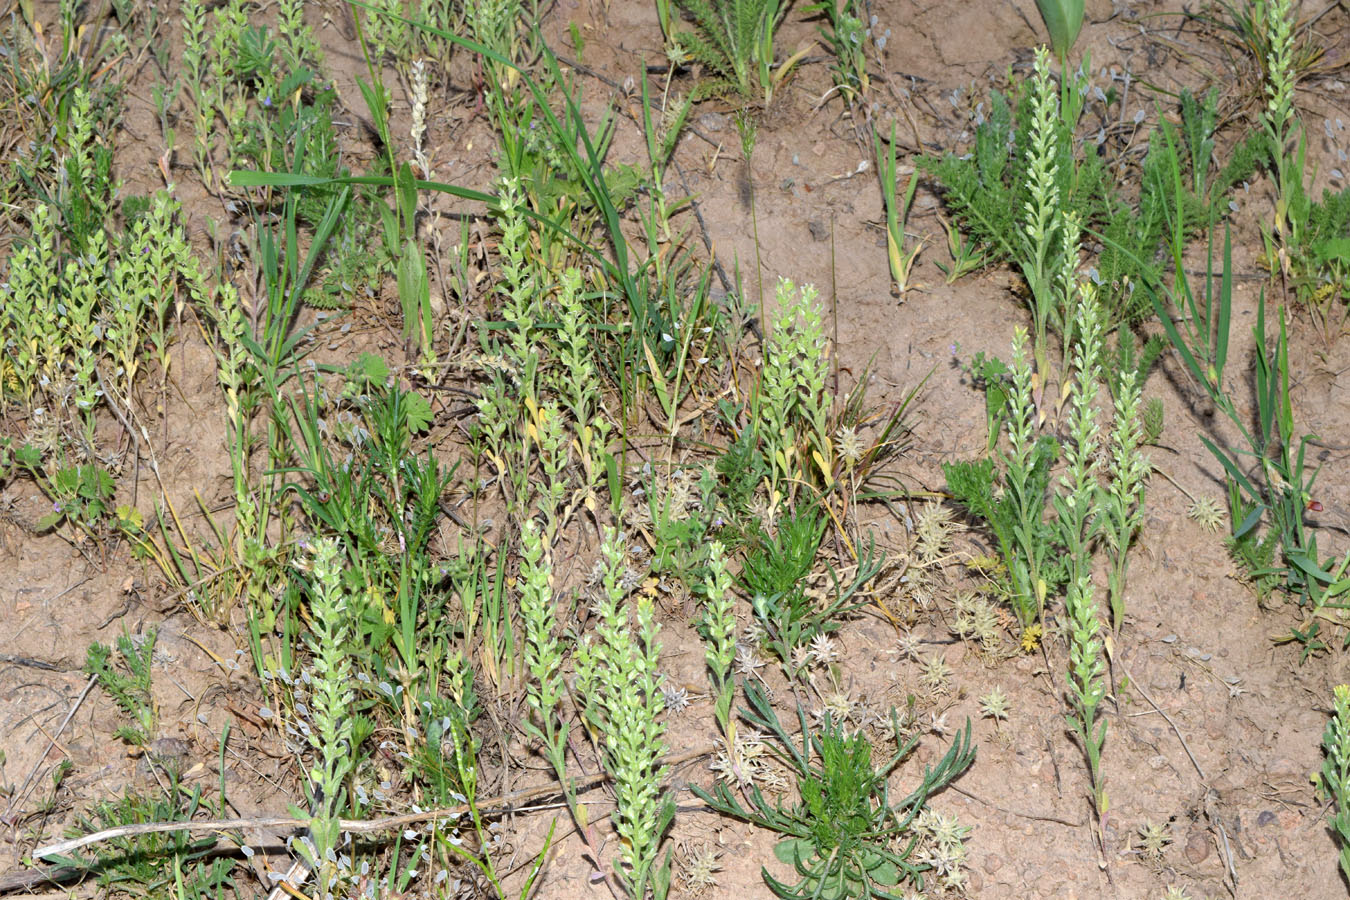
[(823, 650)]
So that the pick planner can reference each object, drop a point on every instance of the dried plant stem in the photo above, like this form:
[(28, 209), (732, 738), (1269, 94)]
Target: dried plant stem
[(354, 826)]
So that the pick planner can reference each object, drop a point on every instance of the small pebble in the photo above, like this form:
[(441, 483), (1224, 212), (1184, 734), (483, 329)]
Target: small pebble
[(1284, 767), (712, 121), (1198, 845)]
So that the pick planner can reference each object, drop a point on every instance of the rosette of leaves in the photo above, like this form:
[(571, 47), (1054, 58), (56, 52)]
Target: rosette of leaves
[(843, 836)]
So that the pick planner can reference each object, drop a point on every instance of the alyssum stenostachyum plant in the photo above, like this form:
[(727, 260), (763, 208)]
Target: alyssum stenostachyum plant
[(543, 658), (1122, 500), (76, 328), (843, 836), (1016, 512), (1280, 124), (331, 736), (1335, 778), (617, 675), (790, 411), (719, 632), (1079, 522)]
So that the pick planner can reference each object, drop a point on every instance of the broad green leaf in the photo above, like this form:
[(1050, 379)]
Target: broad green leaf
[(1063, 19)]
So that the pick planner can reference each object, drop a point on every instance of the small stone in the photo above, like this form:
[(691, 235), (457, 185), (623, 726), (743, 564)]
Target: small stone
[(1266, 818), (818, 230), (974, 882), (1283, 767), (992, 863), (168, 748), (712, 121), (1198, 845)]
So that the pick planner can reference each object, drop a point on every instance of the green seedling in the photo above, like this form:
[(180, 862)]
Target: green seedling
[(172, 862), (847, 34), (128, 683), (81, 494), (774, 576), (990, 375), (897, 213), (967, 257), (843, 835)]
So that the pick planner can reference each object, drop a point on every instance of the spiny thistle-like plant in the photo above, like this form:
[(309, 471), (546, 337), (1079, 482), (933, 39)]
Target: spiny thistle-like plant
[(617, 676), (1153, 840), (994, 705), (1336, 770)]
